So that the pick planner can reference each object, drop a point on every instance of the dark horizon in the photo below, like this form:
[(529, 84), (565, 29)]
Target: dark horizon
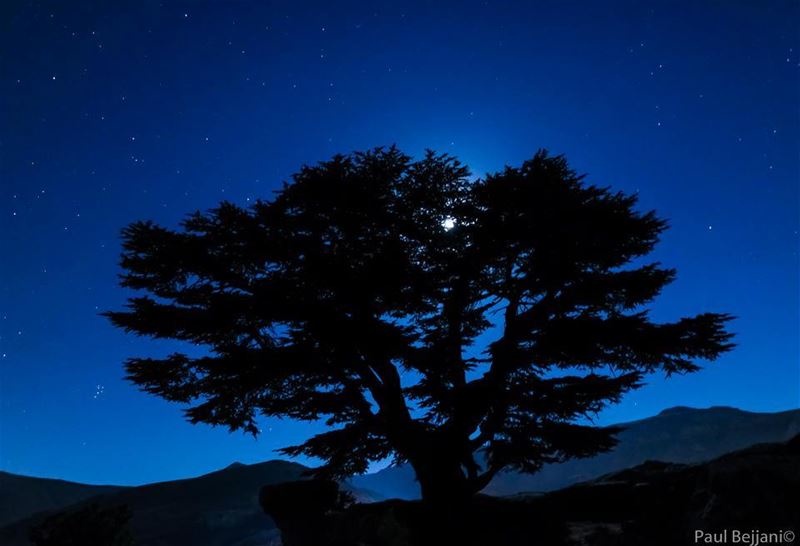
[(113, 115)]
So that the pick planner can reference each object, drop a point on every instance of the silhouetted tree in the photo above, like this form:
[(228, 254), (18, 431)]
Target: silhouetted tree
[(89, 526), (425, 316)]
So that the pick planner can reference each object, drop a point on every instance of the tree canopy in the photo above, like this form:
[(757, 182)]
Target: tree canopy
[(425, 315)]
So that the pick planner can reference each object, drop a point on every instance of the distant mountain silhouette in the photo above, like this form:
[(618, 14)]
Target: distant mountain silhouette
[(676, 435), (221, 508), (21, 496), (216, 509)]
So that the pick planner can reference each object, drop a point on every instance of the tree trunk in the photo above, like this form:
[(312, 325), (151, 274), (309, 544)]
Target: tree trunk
[(442, 484), (441, 477)]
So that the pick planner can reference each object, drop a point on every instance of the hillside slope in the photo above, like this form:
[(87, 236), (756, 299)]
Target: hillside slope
[(21, 496), (216, 509)]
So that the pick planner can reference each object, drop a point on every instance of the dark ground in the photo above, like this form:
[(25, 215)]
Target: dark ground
[(654, 504)]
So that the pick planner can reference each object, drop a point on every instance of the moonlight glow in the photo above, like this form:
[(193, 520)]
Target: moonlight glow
[(121, 113)]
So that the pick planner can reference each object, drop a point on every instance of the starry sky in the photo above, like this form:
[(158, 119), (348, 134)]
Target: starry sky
[(116, 111)]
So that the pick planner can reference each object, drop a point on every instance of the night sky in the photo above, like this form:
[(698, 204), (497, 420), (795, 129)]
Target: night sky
[(111, 114)]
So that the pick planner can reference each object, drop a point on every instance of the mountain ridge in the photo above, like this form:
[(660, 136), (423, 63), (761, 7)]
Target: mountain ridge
[(21, 495), (220, 508), (680, 434)]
